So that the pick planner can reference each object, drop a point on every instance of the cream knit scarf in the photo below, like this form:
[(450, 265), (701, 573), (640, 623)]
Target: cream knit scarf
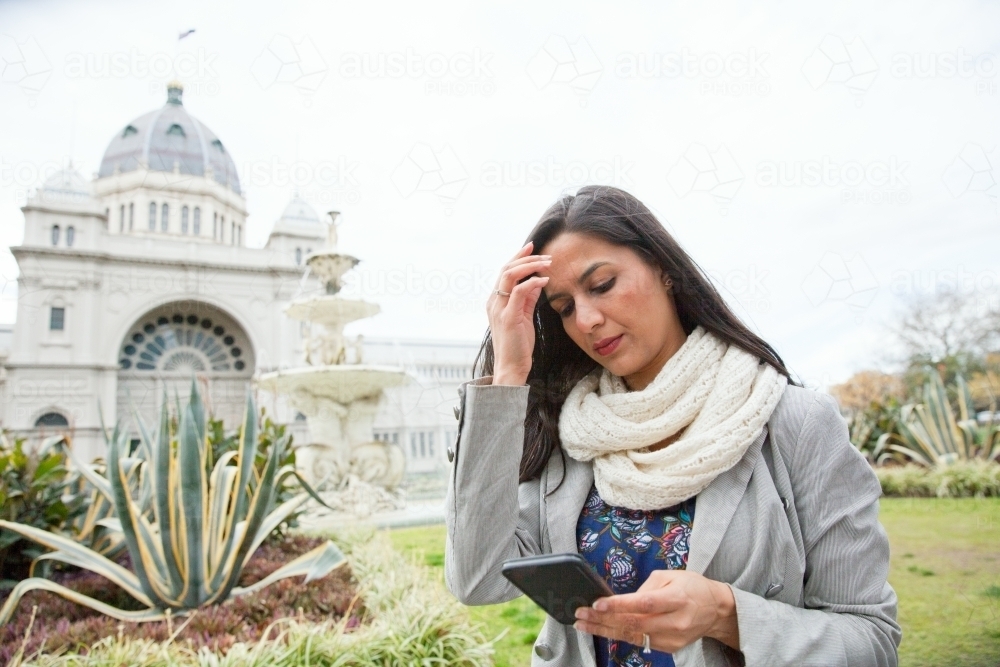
[(718, 394)]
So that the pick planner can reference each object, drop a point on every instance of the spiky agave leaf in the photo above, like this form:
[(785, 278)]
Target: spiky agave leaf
[(259, 507), (36, 584), (191, 469), (163, 511), (135, 538), (316, 563), (235, 525), (72, 552)]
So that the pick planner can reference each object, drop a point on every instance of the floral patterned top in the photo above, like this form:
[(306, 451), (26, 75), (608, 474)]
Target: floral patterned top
[(624, 546)]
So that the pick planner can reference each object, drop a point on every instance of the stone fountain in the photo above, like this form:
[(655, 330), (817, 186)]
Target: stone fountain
[(355, 473)]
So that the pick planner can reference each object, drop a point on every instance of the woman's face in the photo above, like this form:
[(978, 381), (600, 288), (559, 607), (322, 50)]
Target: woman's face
[(605, 292)]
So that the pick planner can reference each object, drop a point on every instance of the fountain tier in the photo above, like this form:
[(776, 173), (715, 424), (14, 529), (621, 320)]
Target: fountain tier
[(341, 383), (331, 311)]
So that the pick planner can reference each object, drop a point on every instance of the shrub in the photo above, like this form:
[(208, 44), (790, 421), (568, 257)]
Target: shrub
[(33, 492), (958, 480), (974, 478), (910, 480)]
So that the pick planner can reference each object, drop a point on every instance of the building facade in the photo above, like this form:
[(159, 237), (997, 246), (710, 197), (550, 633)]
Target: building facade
[(133, 282)]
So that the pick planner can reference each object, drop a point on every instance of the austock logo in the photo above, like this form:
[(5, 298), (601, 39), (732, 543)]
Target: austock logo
[(711, 172), (424, 169), (975, 169), (286, 61), (874, 181), (835, 62), (554, 173), (849, 281), (24, 64), (455, 74), (561, 62), (734, 74)]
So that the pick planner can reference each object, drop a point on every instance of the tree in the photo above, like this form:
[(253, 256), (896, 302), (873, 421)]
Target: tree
[(949, 332), (867, 387)]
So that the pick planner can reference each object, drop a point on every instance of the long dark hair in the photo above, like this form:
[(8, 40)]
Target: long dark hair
[(557, 363)]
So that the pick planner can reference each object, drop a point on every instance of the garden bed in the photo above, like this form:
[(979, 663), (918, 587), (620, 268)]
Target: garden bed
[(407, 618), (63, 626)]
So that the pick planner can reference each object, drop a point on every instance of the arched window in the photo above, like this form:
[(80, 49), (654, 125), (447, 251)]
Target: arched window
[(70, 236), (185, 343), (197, 221), (232, 232), (131, 216), (222, 228), (184, 220), (55, 234), (51, 419), (298, 255), (121, 219), (215, 225), (152, 216), (165, 218)]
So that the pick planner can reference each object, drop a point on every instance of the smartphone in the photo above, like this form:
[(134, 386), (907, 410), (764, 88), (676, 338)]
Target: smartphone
[(558, 583)]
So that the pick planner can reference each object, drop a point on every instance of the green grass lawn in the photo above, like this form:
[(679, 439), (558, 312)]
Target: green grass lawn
[(516, 622), (945, 569)]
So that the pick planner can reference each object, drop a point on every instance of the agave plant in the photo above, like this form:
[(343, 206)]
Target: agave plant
[(868, 428), (929, 433), (189, 548)]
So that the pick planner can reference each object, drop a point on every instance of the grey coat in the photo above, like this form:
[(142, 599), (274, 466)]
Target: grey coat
[(793, 528)]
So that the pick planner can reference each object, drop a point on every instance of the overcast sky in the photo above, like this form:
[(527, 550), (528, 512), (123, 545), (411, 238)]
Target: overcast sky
[(823, 163)]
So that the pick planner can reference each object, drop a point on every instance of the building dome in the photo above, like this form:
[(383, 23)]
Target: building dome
[(300, 212), (67, 183), (167, 139), (300, 219), (66, 187)]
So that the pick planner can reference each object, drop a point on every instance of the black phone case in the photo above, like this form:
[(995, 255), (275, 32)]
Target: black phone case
[(558, 583)]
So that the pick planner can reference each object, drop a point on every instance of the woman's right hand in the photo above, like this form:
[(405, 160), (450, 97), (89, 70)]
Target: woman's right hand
[(512, 326)]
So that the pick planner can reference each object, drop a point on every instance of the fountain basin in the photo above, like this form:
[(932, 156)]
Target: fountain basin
[(341, 383), (330, 310)]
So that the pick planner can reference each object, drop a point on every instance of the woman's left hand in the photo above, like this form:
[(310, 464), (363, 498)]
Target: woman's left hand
[(674, 607)]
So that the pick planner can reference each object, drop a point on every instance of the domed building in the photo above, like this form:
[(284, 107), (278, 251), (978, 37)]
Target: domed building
[(133, 282)]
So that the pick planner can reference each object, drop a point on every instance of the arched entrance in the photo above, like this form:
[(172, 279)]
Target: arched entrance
[(169, 344)]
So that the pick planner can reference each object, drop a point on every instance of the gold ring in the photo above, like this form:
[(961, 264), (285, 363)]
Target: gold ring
[(645, 643), (496, 291)]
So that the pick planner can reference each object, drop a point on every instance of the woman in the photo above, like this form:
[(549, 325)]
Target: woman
[(622, 411)]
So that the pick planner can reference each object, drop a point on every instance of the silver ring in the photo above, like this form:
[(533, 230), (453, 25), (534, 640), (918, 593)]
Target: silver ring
[(496, 291), (645, 643)]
